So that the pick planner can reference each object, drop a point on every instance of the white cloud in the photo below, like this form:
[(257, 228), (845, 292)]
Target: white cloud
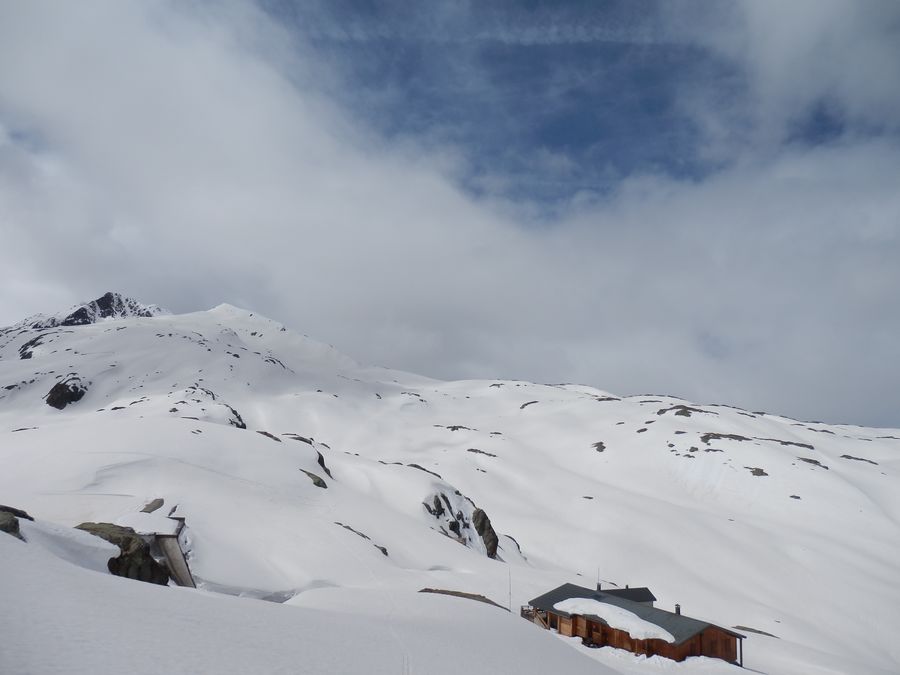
[(191, 159), (841, 54)]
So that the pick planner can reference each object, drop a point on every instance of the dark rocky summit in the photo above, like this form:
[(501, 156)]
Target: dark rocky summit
[(108, 306)]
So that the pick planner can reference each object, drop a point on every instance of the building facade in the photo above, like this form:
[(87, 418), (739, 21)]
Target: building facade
[(690, 637)]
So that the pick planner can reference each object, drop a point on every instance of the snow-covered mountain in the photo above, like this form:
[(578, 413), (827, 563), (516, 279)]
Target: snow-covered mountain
[(108, 306), (306, 477)]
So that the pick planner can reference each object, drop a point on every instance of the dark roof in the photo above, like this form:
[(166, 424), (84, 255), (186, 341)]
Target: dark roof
[(681, 627), (642, 594)]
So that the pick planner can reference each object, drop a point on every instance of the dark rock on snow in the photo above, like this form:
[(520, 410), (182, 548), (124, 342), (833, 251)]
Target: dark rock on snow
[(18, 513), (859, 459), (321, 462), (317, 480), (9, 524), (134, 560), (107, 306), (9, 520), (483, 527), (481, 452), (814, 462), (236, 419), (64, 392), (684, 410), (438, 509), (26, 351), (422, 468), (713, 436)]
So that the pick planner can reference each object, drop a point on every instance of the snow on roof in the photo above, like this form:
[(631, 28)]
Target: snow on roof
[(680, 626), (615, 617)]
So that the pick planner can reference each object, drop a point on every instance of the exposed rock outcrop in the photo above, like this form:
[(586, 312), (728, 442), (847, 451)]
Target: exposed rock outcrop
[(317, 480), (483, 527), (134, 561), (66, 391), (460, 519), (18, 513), (9, 524), (321, 461), (235, 420), (107, 306)]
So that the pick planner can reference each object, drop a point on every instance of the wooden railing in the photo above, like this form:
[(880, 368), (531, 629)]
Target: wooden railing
[(533, 615)]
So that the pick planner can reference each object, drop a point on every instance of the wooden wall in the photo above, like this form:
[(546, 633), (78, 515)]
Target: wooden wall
[(719, 644), (712, 642)]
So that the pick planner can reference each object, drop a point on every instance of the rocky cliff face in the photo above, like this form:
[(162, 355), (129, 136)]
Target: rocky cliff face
[(110, 305), (460, 519)]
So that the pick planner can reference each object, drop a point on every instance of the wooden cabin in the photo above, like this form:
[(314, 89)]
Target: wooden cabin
[(692, 637)]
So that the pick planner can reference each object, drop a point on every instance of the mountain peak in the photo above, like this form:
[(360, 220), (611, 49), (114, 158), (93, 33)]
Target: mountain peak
[(110, 305)]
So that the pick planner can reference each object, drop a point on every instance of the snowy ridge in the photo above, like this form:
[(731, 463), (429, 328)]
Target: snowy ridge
[(302, 474), (108, 306)]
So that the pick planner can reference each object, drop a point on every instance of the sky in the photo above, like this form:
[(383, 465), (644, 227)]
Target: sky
[(686, 197)]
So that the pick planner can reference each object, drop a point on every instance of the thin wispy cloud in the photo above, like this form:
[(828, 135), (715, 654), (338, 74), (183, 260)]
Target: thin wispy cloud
[(446, 22)]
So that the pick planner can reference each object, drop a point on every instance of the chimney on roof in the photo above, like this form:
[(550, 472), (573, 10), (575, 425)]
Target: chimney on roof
[(678, 609), (626, 585), (598, 586)]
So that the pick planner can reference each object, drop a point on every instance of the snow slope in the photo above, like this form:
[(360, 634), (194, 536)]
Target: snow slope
[(74, 620), (745, 518)]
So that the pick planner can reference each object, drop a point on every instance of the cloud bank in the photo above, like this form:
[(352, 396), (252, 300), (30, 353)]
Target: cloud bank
[(191, 156)]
